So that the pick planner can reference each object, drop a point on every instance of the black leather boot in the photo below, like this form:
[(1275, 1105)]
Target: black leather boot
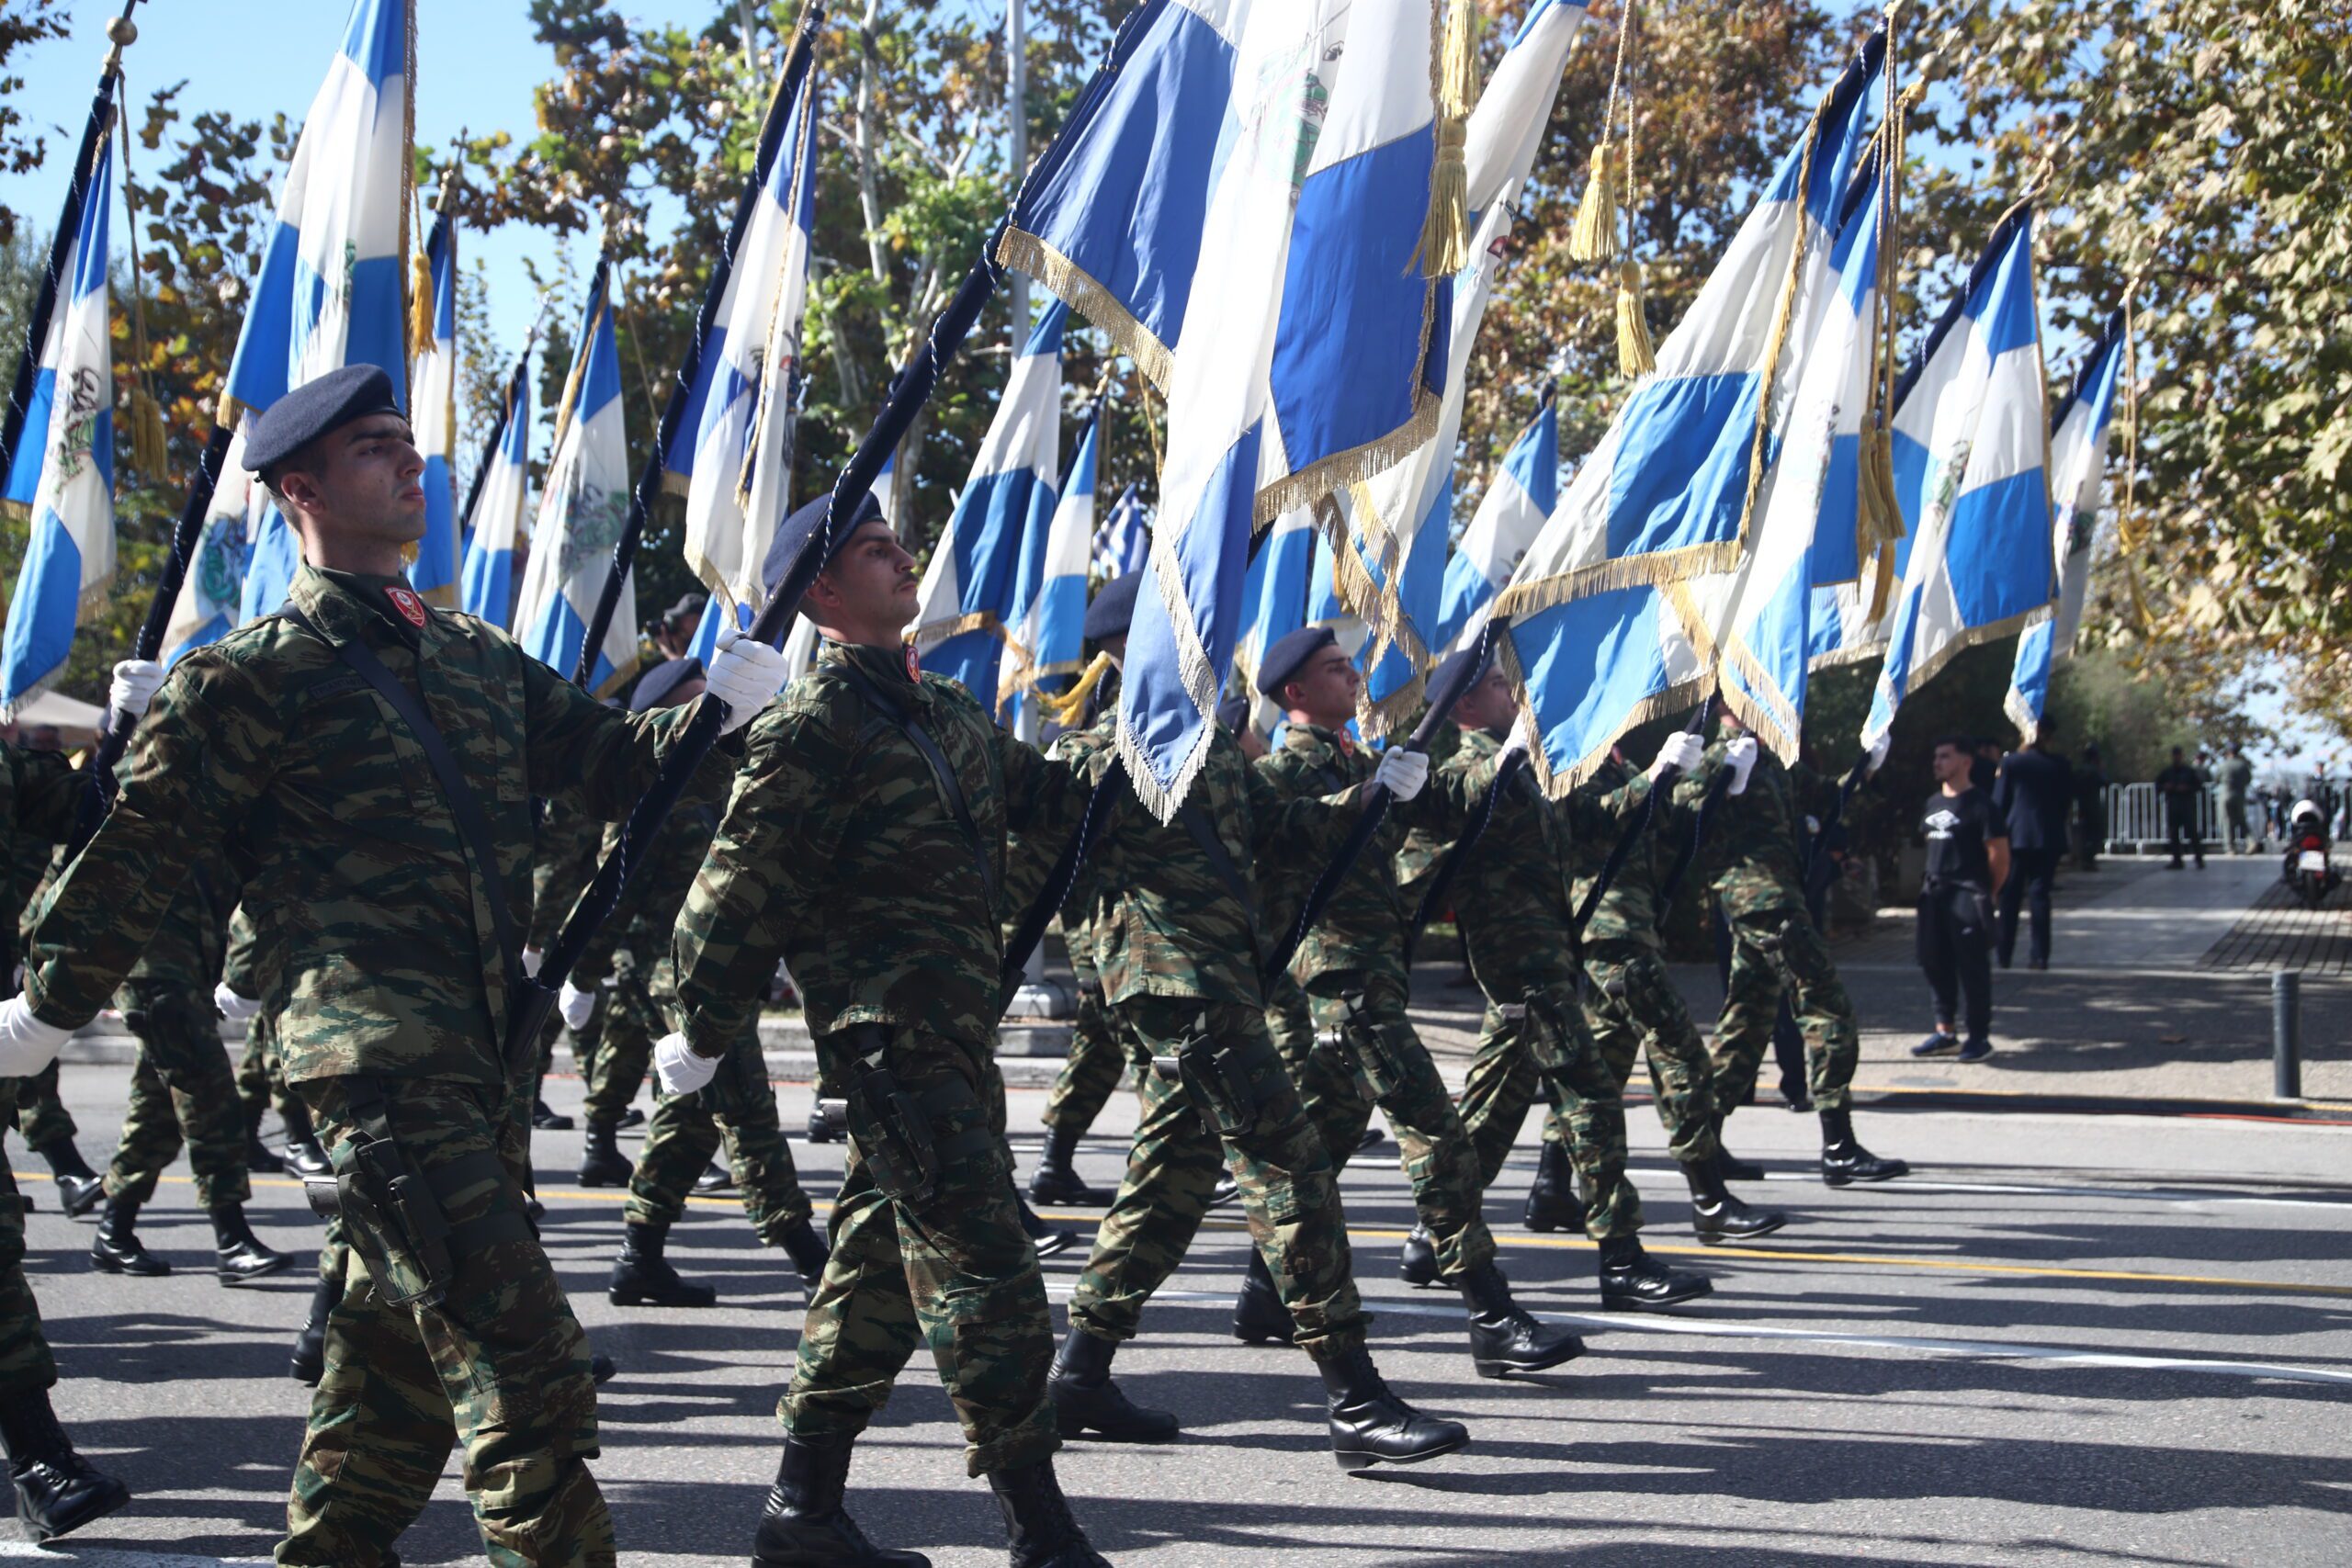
[(1503, 1338), (116, 1249), (1056, 1179), (1043, 1237), (548, 1119), (1225, 1193), (1730, 1167), (715, 1178), (1370, 1426), (57, 1489), (1719, 1217), (805, 1526), (601, 1164), (309, 1362), (1037, 1523), (1843, 1158), (78, 1187), (259, 1159), (642, 1277), (807, 1251), (1417, 1264), (1258, 1315), (241, 1254), (1552, 1203), (1086, 1400), (820, 1126), (303, 1155), (1632, 1281)]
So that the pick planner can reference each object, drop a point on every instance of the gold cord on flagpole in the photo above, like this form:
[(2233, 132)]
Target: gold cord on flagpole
[(1636, 356)]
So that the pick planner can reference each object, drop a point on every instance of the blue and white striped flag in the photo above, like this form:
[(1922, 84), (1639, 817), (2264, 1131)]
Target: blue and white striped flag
[(500, 495), (433, 404), (331, 288), (1122, 541), (1520, 497), (583, 508), (1608, 627), (212, 593), (1046, 631), (2079, 427), (969, 588), (61, 474), (1972, 434)]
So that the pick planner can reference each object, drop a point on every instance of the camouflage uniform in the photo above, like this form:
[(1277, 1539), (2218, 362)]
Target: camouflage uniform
[(1358, 948), (564, 857), (261, 1075), (38, 1112), (1751, 861), (842, 852), (181, 1084), (1178, 953), (393, 992)]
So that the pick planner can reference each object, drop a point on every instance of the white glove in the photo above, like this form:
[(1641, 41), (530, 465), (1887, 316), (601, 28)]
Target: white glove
[(27, 1044), (234, 1008), (134, 684), (1741, 757), (1875, 757), (531, 957), (575, 1004), (1401, 773), (745, 675), (1682, 752), (680, 1068)]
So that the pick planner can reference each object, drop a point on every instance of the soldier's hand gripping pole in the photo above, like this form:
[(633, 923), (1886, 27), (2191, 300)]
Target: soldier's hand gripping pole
[(1717, 788)]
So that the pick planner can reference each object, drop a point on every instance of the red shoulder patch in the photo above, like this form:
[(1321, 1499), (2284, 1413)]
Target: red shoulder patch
[(405, 600), (914, 665)]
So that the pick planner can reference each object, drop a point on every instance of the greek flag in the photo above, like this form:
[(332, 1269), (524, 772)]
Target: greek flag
[(1972, 470), (1520, 497), (737, 436), (2078, 479), (61, 474), (496, 515), (330, 289), (1269, 164), (433, 402), (1124, 540), (1046, 629), (583, 508), (212, 591), (1609, 624), (967, 590)]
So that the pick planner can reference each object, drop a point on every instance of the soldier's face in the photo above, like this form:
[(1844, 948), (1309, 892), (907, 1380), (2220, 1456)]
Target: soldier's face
[(1325, 688), (362, 482), (1487, 704), (870, 584)]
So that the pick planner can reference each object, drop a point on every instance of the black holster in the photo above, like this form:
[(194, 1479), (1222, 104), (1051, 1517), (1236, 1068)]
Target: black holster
[(1216, 1079), (1361, 1038), (893, 1128), (390, 1216)]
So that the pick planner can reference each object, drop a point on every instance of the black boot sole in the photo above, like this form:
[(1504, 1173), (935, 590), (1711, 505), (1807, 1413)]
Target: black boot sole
[(235, 1277), (1622, 1301), (1547, 1224), (306, 1371), (1354, 1460), (1056, 1194), (1074, 1427), (1486, 1368), (606, 1177), (1850, 1178), (1733, 1238), (101, 1501), (106, 1263)]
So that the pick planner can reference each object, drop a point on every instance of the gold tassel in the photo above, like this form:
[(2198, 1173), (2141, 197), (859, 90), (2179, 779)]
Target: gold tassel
[(1594, 238), (420, 302), (1066, 708), (149, 453), (1636, 357), (1445, 232), (1882, 511)]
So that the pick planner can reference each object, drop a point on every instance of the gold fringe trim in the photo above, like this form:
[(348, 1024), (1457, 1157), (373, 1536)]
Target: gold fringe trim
[(1768, 716), (1845, 657), (1558, 782), (933, 633), (1358, 464), (1975, 637), (1077, 289), (1656, 569)]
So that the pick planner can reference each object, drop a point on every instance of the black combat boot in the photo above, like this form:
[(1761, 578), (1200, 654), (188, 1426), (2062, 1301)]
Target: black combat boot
[(309, 1362), (602, 1370), (1225, 1193), (631, 1119), (601, 1164), (822, 1129), (303, 1155), (1503, 1338), (1632, 1281), (547, 1118), (78, 1187), (241, 1254), (715, 1178), (1719, 1217), (804, 1524), (1730, 1167), (1843, 1158), (259, 1159), (1037, 1523), (115, 1249), (1258, 1315), (1056, 1179), (1043, 1237), (1552, 1203), (1417, 1264), (57, 1489), (807, 1251), (1086, 1400), (642, 1277), (1369, 1424)]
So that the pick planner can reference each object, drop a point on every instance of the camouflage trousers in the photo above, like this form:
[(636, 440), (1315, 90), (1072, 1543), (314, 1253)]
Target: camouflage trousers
[(1386, 1065), (950, 1266), (41, 1115), (500, 1366), (181, 1090), (1090, 1076), (1632, 1007), (1289, 1188), (26, 1365), (1776, 953), (261, 1074), (616, 1049), (738, 1108)]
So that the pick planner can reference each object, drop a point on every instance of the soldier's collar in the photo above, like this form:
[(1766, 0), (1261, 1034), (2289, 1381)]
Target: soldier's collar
[(890, 666), (340, 603)]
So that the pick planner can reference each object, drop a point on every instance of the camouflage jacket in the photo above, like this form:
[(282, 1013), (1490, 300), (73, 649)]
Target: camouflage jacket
[(191, 944), (1032, 854), (647, 914), (564, 857), (1609, 803), (245, 967), (44, 794), (353, 867), (839, 851), (1750, 856)]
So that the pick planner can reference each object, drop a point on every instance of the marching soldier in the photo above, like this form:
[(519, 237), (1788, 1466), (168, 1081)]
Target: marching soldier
[(864, 842), (261, 1075), (356, 748)]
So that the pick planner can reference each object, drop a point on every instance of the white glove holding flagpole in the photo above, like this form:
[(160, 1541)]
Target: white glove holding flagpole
[(1401, 773), (1740, 757), (575, 1004), (1682, 752), (133, 686), (27, 1044), (745, 675), (680, 1067), (234, 1008)]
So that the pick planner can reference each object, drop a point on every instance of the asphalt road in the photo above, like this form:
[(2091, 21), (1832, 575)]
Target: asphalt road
[(2078, 1340)]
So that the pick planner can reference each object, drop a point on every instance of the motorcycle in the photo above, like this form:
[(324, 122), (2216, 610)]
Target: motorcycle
[(2307, 867)]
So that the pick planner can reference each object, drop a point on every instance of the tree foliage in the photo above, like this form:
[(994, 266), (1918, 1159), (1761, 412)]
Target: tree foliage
[(22, 22)]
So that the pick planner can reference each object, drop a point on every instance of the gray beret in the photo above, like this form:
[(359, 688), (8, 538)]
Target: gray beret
[(309, 411)]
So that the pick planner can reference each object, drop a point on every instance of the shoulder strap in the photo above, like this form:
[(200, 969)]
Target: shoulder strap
[(1221, 864), (951, 789), (473, 825)]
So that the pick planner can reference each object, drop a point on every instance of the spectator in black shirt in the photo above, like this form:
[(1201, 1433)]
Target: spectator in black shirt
[(1968, 857), (2030, 798), (2178, 788)]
